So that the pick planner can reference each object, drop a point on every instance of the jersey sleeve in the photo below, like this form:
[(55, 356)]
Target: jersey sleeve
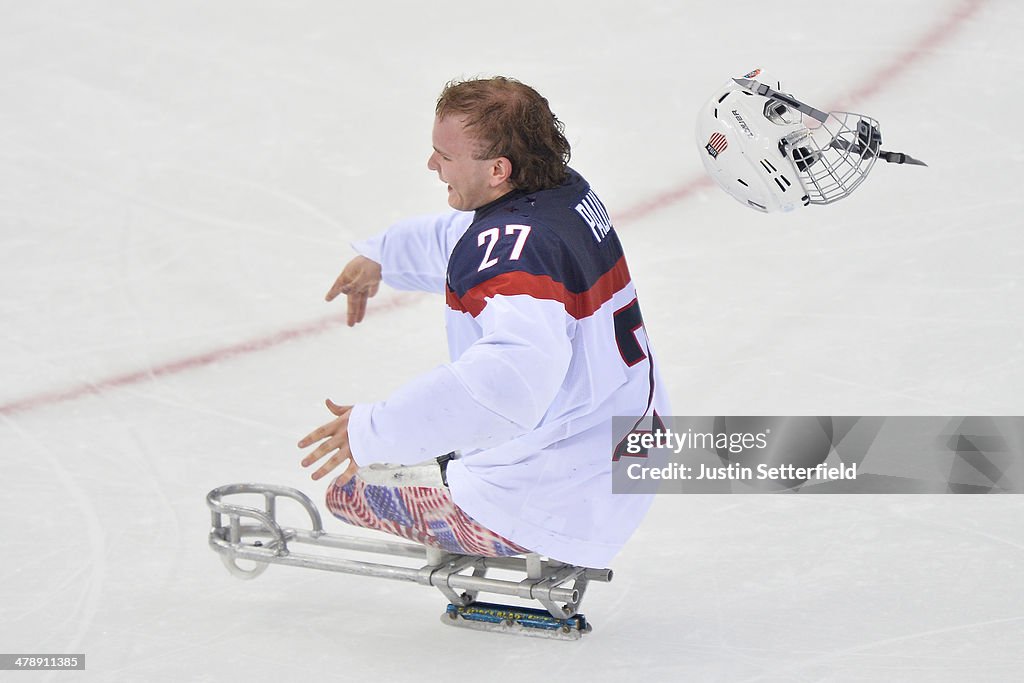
[(498, 389), (414, 252)]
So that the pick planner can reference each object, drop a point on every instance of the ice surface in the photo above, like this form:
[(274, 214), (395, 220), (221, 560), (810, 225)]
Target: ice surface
[(178, 185)]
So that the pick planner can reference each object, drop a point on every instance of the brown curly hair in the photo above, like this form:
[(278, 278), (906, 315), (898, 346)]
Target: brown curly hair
[(510, 119)]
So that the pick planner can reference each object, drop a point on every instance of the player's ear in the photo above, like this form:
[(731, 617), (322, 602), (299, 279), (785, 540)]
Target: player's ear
[(501, 171)]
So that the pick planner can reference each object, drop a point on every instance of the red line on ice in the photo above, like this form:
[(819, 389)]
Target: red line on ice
[(192, 362), (882, 77)]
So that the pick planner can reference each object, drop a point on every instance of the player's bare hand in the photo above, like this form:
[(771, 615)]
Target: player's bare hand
[(359, 280), (334, 443)]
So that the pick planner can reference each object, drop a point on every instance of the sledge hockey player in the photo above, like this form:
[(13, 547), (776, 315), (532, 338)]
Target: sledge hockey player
[(508, 448)]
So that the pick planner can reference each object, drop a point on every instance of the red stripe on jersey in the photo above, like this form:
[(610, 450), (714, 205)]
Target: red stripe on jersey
[(579, 306)]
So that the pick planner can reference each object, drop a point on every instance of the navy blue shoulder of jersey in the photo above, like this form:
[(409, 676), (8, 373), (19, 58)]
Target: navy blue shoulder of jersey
[(563, 234)]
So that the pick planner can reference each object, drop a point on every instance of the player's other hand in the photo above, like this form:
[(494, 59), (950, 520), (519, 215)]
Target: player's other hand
[(334, 436), (358, 281)]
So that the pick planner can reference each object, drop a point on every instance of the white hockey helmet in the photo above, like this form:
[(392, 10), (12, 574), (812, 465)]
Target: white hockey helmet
[(772, 152)]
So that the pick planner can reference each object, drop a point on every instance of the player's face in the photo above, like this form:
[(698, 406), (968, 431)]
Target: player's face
[(471, 182)]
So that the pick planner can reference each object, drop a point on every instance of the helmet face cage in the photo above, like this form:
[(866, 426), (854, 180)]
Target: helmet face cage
[(833, 159)]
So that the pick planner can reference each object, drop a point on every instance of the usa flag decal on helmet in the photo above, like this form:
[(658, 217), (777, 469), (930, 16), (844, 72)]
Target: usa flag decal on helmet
[(716, 145)]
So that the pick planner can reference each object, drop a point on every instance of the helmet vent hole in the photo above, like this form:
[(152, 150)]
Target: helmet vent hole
[(768, 166), (757, 206), (723, 97), (740, 181)]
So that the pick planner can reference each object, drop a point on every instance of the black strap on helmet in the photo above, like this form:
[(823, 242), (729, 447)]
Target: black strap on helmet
[(900, 158), (869, 144), (762, 89)]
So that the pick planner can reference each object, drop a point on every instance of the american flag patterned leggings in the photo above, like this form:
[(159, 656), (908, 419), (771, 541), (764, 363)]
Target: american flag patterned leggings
[(424, 514)]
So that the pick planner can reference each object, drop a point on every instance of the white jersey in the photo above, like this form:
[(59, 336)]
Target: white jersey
[(547, 345)]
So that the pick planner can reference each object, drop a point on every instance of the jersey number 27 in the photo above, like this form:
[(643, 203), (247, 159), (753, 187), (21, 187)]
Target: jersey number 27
[(491, 236)]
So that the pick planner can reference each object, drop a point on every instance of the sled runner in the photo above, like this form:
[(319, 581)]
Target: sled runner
[(253, 535)]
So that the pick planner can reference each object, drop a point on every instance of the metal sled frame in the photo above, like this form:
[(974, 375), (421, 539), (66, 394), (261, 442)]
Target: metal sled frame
[(254, 535)]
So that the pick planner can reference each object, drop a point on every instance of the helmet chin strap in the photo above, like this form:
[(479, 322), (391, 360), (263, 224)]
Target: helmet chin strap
[(868, 142), (900, 158), (890, 157)]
